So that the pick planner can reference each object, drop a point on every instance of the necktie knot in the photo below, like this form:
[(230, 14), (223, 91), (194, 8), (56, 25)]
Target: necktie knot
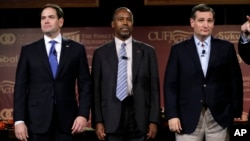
[(52, 49), (53, 42), (123, 54), (123, 45), (203, 44)]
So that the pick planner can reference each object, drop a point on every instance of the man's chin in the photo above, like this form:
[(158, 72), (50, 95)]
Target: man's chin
[(125, 36), (206, 33), (47, 33)]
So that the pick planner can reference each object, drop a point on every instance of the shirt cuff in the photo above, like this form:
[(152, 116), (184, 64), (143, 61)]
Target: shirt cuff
[(244, 40), (17, 122)]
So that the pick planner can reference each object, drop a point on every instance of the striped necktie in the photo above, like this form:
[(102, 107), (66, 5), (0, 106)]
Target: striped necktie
[(122, 85)]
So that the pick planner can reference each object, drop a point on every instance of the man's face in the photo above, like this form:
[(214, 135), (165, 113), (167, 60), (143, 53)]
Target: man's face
[(50, 24), (203, 24), (123, 24)]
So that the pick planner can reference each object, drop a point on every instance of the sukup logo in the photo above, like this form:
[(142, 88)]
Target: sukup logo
[(232, 36)]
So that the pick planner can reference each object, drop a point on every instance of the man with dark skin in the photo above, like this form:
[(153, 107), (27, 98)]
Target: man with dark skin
[(136, 117)]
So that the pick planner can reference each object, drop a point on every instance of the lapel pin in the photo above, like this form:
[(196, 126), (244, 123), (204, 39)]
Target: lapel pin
[(67, 45)]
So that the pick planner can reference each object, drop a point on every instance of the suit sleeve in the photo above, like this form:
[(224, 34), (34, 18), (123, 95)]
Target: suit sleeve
[(170, 85), (84, 85), (244, 51), (155, 90), (21, 86), (96, 78)]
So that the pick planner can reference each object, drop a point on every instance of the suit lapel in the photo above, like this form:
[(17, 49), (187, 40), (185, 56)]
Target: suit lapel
[(137, 53), (41, 51), (192, 50), (65, 51), (213, 54), (112, 57)]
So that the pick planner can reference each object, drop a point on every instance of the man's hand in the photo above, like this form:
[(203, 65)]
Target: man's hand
[(79, 125), (21, 132), (245, 28), (175, 125), (100, 131), (152, 131)]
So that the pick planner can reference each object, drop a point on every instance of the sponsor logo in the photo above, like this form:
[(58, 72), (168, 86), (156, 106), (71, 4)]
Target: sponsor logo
[(170, 36), (73, 35), (8, 61), (232, 36), (6, 114), (180, 35), (7, 87), (7, 38)]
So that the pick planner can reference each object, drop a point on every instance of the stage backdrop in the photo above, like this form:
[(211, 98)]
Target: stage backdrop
[(161, 37)]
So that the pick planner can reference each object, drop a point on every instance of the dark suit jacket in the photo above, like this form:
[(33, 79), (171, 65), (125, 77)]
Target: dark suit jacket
[(185, 85), (35, 86), (244, 51), (107, 108)]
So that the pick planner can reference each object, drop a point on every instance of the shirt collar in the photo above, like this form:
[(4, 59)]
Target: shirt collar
[(119, 42), (58, 39), (206, 42)]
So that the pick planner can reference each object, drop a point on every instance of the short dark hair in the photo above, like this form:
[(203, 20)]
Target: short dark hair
[(120, 8), (59, 11), (202, 8)]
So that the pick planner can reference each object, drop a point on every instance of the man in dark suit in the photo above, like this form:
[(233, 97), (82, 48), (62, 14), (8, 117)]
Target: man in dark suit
[(203, 83), (136, 115), (45, 104), (244, 41)]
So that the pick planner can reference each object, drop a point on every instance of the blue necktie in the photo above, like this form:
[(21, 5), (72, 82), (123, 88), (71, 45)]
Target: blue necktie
[(122, 85), (53, 58)]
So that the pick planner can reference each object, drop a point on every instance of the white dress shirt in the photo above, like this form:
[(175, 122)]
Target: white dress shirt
[(58, 45), (128, 47), (203, 52)]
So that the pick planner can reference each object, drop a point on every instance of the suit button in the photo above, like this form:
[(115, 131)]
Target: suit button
[(204, 85)]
